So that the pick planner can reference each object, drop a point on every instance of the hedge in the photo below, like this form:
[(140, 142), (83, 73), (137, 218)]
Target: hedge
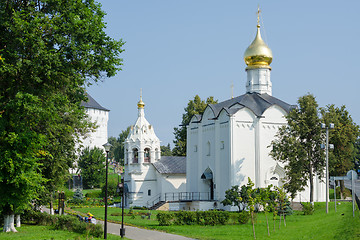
[(191, 218), (64, 222)]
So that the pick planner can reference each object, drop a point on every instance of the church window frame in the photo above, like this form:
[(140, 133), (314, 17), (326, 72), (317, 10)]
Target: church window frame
[(126, 156), (149, 192), (208, 144), (147, 158), (195, 148), (135, 155), (222, 145)]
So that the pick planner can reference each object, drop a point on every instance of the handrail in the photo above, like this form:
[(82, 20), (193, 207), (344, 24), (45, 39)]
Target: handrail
[(154, 200), (179, 197)]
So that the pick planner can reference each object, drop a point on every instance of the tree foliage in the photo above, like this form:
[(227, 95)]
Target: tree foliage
[(117, 149), (166, 150), (297, 145), (91, 166), (49, 50), (343, 136), (196, 106)]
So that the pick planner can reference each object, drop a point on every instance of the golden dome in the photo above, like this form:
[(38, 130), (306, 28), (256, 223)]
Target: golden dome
[(141, 104), (258, 54)]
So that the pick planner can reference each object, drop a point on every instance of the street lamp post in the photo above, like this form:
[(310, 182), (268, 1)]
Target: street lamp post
[(122, 229), (331, 126), (107, 147)]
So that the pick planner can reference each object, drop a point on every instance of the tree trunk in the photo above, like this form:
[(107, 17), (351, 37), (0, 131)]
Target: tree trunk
[(267, 223), (18, 221), (274, 221), (51, 206), (252, 220), (284, 220), (342, 189), (311, 184), (279, 221), (9, 223)]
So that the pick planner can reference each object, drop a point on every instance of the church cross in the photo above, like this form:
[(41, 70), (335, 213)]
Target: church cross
[(258, 16)]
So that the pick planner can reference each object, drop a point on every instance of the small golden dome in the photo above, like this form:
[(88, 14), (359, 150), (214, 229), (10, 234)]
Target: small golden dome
[(258, 54), (141, 104)]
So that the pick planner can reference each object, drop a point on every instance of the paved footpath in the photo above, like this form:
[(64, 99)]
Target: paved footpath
[(138, 233)]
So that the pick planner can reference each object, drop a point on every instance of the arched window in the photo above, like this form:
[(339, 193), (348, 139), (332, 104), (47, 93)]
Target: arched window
[(147, 155), (135, 155)]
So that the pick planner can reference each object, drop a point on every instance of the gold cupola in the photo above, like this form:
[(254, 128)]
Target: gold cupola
[(141, 104), (258, 54)]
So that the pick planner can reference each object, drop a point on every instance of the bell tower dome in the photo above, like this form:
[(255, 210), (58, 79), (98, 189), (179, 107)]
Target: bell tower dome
[(258, 57)]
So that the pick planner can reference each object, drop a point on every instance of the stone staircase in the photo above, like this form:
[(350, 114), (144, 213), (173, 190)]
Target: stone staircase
[(157, 205)]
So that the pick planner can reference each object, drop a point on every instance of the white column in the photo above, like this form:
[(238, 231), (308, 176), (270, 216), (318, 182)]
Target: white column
[(257, 127), (217, 143), (232, 170)]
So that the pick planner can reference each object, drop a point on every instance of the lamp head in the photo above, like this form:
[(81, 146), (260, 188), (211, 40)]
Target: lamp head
[(107, 146)]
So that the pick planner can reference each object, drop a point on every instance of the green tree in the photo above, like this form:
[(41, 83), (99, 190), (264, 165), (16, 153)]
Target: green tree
[(166, 150), (117, 149), (265, 201), (49, 50), (237, 196), (196, 106), (297, 145), (344, 137), (92, 168)]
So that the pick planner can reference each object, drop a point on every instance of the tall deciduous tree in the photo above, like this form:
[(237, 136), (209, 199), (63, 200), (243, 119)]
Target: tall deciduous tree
[(196, 106), (344, 137), (297, 145), (91, 166), (117, 149), (166, 150), (49, 50)]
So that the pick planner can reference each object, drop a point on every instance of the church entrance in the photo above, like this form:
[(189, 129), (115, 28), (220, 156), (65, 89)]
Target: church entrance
[(208, 176)]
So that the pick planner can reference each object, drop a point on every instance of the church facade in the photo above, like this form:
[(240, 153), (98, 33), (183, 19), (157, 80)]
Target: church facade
[(226, 145), (148, 175), (230, 141)]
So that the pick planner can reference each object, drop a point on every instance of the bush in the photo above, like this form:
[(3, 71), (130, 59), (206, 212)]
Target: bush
[(78, 197), (190, 218), (31, 216), (185, 218), (308, 208), (212, 217), (72, 223), (243, 217), (93, 194), (112, 186), (165, 219)]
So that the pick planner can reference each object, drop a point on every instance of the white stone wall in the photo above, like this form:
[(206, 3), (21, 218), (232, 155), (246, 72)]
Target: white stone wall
[(100, 136), (239, 148)]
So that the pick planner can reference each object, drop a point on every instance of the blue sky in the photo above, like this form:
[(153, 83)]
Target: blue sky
[(177, 49)]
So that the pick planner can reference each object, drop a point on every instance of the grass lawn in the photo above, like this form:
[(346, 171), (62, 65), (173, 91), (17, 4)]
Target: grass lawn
[(335, 225), (34, 232)]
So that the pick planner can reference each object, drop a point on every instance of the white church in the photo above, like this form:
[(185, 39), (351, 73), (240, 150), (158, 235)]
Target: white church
[(227, 144)]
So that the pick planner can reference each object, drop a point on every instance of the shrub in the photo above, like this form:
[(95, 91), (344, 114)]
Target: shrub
[(112, 186), (308, 208), (93, 194), (165, 219), (185, 218), (243, 217), (78, 197), (212, 217), (31, 216)]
